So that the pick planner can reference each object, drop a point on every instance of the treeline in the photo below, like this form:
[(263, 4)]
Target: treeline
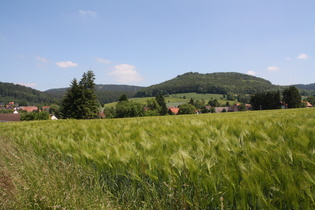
[(217, 83), (291, 98), (105, 93), (23, 95), (125, 108)]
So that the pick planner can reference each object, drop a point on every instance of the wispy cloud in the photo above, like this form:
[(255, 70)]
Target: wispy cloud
[(251, 73), (125, 73), (88, 13), (28, 84), (44, 60), (302, 56), (273, 68), (66, 64), (102, 60)]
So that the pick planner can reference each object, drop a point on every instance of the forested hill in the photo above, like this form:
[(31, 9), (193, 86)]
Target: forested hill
[(105, 93), (23, 95), (306, 87), (220, 83)]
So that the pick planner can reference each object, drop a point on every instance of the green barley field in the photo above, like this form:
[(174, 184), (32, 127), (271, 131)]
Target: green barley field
[(241, 160)]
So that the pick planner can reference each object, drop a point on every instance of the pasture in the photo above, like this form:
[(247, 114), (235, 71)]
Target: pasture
[(177, 99), (241, 160)]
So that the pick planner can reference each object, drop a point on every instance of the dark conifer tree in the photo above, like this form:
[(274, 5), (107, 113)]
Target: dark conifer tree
[(161, 101), (80, 101), (292, 97)]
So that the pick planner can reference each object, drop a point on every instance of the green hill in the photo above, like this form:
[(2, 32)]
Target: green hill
[(218, 83), (23, 95), (105, 93), (306, 87)]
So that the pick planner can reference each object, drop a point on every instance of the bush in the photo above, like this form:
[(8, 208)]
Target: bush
[(35, 116), (187, 109)]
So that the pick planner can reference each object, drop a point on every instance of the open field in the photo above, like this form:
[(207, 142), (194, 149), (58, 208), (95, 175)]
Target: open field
[(240, 160), (177, 99)]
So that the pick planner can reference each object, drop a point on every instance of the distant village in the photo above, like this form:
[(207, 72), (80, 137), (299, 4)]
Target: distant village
[(12, 111)]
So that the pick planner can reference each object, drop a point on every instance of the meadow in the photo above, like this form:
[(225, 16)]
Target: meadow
[(240, 160), (180, 98)]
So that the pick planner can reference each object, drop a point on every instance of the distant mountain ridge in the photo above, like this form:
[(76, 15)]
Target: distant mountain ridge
[(105, 93), (306, 87), (23, 95), (220, 83)]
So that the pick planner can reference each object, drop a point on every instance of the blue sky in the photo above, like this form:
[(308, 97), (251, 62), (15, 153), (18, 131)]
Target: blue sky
[(45, 44)]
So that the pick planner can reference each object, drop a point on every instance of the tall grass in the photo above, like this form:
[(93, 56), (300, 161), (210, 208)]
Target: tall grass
[(244, 160)]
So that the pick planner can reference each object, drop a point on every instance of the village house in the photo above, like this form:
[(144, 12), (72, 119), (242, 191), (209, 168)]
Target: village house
[(173, 110), (10, 117), (29, 108)]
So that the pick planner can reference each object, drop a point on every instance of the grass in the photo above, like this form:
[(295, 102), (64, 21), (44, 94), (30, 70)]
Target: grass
[(243, 160), (177, 99)]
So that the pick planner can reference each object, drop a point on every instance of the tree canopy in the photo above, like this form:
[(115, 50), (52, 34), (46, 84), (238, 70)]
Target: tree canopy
[(80, 101), (219, 83), (292, 97)]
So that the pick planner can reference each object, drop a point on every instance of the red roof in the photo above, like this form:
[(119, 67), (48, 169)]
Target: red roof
[(30, 108), (10, 117), (174, 110)]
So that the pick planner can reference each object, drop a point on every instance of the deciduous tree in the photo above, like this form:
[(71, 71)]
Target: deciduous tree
[(292, 97)]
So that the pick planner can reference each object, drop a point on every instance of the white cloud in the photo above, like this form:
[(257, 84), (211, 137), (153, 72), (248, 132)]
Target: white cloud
[(88, 13), (125, 73), (66, 64), (302, 56), (251, 73), (273, 68), (28, 84), (102, 60), (288, 58), (44, 60)]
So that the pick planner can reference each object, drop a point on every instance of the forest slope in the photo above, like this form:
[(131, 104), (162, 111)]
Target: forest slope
[(218, 83)]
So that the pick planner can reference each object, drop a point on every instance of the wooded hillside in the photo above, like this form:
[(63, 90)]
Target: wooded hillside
[(23, 95), (219, 83)]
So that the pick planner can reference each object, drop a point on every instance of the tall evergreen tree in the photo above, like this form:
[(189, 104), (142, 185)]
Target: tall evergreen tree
[(161, 101), (267, 100), (292, 97), (80, 101)]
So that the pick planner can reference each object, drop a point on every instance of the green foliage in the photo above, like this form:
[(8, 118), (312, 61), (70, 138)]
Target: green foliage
[(129, 109), (214, 103), (6, 111), (161, 102), (265, 101), (34, 116), (123, 97), (187, 109), (292, 97), (242, 107), (311, 100), (80, 101), (219, 83), (230, 96), (110, 112), (105, 93), (23, 95), (243, 98), (55, 110)]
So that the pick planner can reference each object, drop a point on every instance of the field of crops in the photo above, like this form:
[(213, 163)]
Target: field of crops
[(241, 160)]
